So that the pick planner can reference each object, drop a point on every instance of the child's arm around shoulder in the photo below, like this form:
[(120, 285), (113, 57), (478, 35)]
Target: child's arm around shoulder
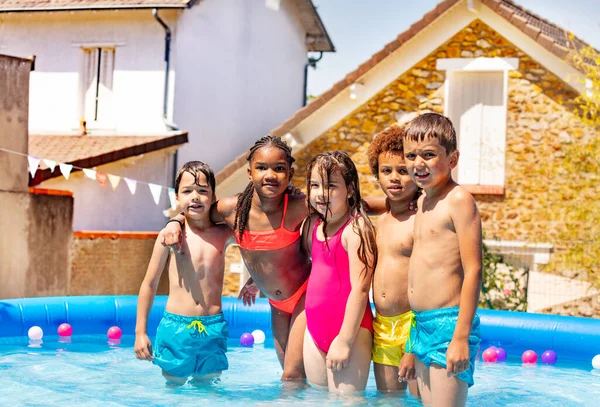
[(467, 224), (158, 261)]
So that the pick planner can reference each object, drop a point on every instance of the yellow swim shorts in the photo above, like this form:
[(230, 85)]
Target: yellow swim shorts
[(389, 338)]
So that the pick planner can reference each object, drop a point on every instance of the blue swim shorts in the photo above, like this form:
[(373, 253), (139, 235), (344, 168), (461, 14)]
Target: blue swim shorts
[(430, 336), (191, 346)]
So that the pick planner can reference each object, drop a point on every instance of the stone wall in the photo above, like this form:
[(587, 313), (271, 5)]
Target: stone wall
[(540, 130), (582, 307), (115, 263)]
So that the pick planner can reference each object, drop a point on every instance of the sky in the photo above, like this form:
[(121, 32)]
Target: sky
[(360, 28)]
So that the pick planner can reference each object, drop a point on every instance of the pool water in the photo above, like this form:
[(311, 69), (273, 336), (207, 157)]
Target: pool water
[(90, 372)]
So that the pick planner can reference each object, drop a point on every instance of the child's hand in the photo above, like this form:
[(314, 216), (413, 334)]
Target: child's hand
[(292, 190), (413, 206), (338, 355), (457, 356), (249, 292), (172, 236), (143, 347), (406, 369)]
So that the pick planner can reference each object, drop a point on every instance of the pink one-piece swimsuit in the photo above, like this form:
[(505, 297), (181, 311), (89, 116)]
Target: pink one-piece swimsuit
[(328, 290)]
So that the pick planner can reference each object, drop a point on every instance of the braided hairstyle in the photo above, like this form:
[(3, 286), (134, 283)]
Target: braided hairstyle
[(327, 164), (244, 200)]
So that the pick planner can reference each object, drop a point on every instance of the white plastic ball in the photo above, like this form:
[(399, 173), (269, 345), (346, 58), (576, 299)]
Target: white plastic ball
[(259, 336), (596, 362), (35, 333)]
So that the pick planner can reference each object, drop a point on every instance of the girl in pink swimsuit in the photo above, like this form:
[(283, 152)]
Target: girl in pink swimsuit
[(341, 240)]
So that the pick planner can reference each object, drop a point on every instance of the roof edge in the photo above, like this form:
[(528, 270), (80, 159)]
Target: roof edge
[(91, 8), (107, 158)]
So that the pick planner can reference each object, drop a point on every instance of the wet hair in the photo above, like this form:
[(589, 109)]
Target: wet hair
[(432, 126), (244, 200), (195, 168), (389, 140), (327, 164)]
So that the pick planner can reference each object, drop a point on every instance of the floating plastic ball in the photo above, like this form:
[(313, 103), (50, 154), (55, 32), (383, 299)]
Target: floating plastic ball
[(549, 357), (35, 333), (596, 362), (489, 355), (501, 354), (246, 339), (259, 336), (529, 356), (65, 330), (114, 332)]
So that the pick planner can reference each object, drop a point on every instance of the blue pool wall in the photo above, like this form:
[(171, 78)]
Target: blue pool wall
[(572, 338)]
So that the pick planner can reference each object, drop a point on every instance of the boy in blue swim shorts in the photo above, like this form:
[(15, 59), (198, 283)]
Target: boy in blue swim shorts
[(191, 339), (444, 272)]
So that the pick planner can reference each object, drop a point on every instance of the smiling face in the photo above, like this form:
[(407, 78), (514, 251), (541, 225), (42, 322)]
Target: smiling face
[(194, 195), (329, 197), (270, 171), (394, 178), (427, 162)]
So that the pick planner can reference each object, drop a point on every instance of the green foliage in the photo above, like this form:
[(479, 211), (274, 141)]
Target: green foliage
[(579, 210), (503, 286)]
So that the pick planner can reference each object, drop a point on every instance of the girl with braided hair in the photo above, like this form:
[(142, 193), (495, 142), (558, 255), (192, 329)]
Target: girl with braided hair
[(267, 222)]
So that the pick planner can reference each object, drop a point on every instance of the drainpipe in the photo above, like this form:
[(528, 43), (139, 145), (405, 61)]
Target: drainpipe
[(312, 62), (170, 126)]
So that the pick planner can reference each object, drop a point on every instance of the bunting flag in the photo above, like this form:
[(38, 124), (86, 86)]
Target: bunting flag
[(155, 190), (65, 170), (50, 163), (131, 184), (101, 177), (33, 165), (114, 180), (172, 199), (273, 4), (91, 174)]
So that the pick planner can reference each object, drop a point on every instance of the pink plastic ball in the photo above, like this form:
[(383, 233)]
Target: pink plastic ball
[(529, 356), (65, 330), (489, 355), (114, 332), (247, 340)]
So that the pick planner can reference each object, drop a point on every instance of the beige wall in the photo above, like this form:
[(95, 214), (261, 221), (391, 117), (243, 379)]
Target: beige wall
[(36, 228)]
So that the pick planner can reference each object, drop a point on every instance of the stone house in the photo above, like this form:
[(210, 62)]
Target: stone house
[(502, 74), (145, 69)]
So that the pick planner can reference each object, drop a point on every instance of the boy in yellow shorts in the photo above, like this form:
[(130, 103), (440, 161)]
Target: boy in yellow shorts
[(393, 368)]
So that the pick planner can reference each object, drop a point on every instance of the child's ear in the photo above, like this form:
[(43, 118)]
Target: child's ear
[(292, 170), (454, 159), (249, 174)]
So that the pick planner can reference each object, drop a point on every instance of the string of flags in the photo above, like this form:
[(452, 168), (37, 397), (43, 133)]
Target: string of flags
[(102, 178)]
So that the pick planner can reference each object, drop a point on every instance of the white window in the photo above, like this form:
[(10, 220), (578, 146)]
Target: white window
[(475, 101), (97, 86)]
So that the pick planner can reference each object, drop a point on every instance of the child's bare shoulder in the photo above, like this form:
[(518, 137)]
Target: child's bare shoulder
[(459, 197), (226, 206)]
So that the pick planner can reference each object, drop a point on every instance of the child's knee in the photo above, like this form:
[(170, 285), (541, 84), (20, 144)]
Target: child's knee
[(174, 380)]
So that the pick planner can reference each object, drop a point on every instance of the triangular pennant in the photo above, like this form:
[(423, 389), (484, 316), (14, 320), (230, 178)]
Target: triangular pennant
[(131, 184), (91, 174), (114, 180), (172, 198), (65, 170), (50, 163), (33, 165), (155, 190), (101, 177)]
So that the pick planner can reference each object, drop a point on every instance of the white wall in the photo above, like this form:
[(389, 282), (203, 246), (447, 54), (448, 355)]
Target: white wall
[(100, 208), (56, 40), (240, 70)]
